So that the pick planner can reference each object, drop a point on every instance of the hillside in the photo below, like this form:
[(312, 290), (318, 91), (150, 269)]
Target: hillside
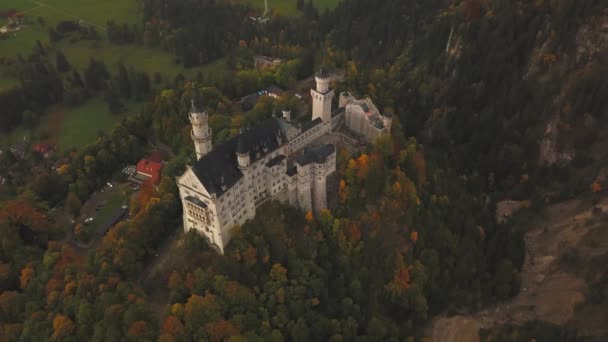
[(513, 95)]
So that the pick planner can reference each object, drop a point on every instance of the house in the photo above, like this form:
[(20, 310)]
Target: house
[(18, 150), (262, 62), (148, 171), (43, 149), (274, 91)]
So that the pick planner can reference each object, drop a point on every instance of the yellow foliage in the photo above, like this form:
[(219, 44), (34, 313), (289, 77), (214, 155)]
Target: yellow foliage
[(177, 310), (63, 169), (414, 236)]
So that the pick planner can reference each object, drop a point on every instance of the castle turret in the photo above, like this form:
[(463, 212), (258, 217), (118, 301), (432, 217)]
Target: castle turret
[(201, 133), (287, 114), (321, 97), (387, 121), (345, 98), (242, 154)]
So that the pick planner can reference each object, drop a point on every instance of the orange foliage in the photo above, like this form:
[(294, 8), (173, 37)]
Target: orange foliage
[(596, 187), (26, 276), (5, 270), (137, 329), (53, 284), (250, 255), (363, 167), (173, 326), (420, 165), (471, 10), (8, 300), (315, 301), (343, 192), (400, 282), (396, 188), (220, 330), (19, 212), (11, 331), (353, 233), (309, 216), (280, 295), (414, 236), (62, 326), (146, 193), (402, 278)]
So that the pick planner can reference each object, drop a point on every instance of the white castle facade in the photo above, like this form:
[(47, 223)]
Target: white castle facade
[(273, 160)]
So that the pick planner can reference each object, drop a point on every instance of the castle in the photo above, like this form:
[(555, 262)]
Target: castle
[(273, 160)]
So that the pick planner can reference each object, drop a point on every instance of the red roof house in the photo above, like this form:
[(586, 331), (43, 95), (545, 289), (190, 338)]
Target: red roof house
[(149, 170), (42, 148)]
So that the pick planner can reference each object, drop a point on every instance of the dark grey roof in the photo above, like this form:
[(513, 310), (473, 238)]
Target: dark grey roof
[(322, 73), (338, 111), (196, 102), (218, 170), (196, 201), (240, 146), (316, 154), (291, 171), (248, 102), (311, 124), (276, 160), (275, 90)]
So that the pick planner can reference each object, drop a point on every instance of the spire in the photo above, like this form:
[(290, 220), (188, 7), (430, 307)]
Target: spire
[(322, 73), (240, 146), (196, 104)]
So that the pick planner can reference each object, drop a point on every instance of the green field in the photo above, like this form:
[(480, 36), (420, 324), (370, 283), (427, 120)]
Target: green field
[(71, 127), (288, 7), (93, 12), (80, 125), (78, 53)]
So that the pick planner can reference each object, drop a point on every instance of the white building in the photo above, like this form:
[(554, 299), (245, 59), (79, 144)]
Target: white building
[(362, 116), (272, 160)]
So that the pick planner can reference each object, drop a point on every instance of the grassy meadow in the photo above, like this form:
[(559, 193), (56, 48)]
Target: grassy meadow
[(288, 7), (71, 127)]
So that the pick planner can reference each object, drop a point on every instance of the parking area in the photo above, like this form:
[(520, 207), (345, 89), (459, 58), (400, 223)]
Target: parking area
[(101, 211)]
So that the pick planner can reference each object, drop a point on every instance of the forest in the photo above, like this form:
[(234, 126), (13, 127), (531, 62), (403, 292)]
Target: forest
[(414, 234)]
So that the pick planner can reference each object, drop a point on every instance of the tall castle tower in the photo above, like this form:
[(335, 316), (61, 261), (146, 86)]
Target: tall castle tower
[(321, 97), (201, 133)]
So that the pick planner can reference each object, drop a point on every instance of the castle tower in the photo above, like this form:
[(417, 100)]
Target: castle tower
[(201, 133), (287, 114), (345, 99), (321, 97)]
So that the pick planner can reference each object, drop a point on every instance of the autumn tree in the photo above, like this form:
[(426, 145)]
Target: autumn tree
[(220, 330), (62, 327)]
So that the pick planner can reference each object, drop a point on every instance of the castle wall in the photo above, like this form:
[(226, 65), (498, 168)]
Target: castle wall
[(304, 187), (307, 137), (292, 188)]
